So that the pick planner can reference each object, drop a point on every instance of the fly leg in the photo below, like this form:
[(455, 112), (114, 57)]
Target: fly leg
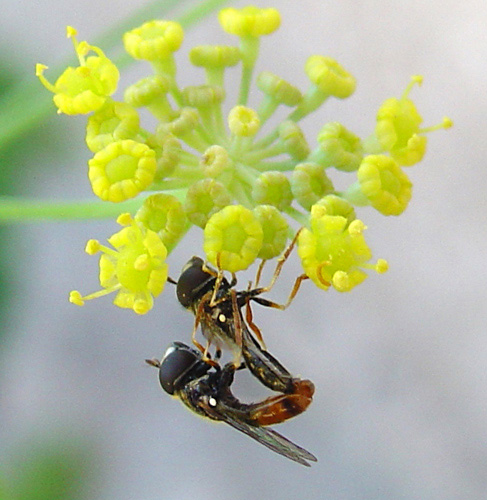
[(259, 272), (253, 294), (280, 263), (275, 305), (237, 322), (252, 325), (203, 350)]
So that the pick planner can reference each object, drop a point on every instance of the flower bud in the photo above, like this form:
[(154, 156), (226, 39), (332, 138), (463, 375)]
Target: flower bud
[(330, 77), (146, 90), (335, 205), (385, 185), (215, 161), (293, 139), (113, 122), (243, 121), (163, 214), (214, 56), (275, 231), (309, 183), (249, 21), (153, 41), (205, 198), (339, 148), (279, 89), (232, 238), (122, 170), (272, 188)]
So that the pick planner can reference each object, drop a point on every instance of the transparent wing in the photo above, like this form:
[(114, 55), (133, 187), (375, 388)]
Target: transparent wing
[(266, 436)]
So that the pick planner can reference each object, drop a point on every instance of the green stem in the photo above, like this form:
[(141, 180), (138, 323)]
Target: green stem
[(355, 195), (18, 210), (312, 100), (266, 108), (262, 154), (246, 174), (26, 104), (266, 141), (241, 192), (249, 47), (280, 166)]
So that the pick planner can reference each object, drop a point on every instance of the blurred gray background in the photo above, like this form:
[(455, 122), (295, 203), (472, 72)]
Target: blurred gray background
[(400, 364)]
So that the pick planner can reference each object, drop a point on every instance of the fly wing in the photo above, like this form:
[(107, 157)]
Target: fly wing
[(264, 435), (273, 440)]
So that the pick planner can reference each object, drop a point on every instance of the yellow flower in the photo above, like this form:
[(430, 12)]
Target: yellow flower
[(384, 184), (85, 88), (122, 170), (334, 252), (135, 267), (398, 128)]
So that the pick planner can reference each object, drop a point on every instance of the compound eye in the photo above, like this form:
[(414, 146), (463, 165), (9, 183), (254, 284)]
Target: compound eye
[(191, 278), (176, 362)]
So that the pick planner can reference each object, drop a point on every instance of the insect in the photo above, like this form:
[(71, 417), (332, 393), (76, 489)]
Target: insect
[(217, 306), (205, 389)]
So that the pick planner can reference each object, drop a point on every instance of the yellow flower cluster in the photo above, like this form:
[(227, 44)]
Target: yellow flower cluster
[(219, 168)]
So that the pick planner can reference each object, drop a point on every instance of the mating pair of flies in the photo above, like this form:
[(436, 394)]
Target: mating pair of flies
[(198, 380)]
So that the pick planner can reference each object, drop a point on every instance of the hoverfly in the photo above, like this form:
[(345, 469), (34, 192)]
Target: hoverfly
[(205, 389), (217, 306)]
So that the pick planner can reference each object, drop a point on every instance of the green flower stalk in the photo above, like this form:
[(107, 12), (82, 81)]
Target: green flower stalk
[(211, 163)]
